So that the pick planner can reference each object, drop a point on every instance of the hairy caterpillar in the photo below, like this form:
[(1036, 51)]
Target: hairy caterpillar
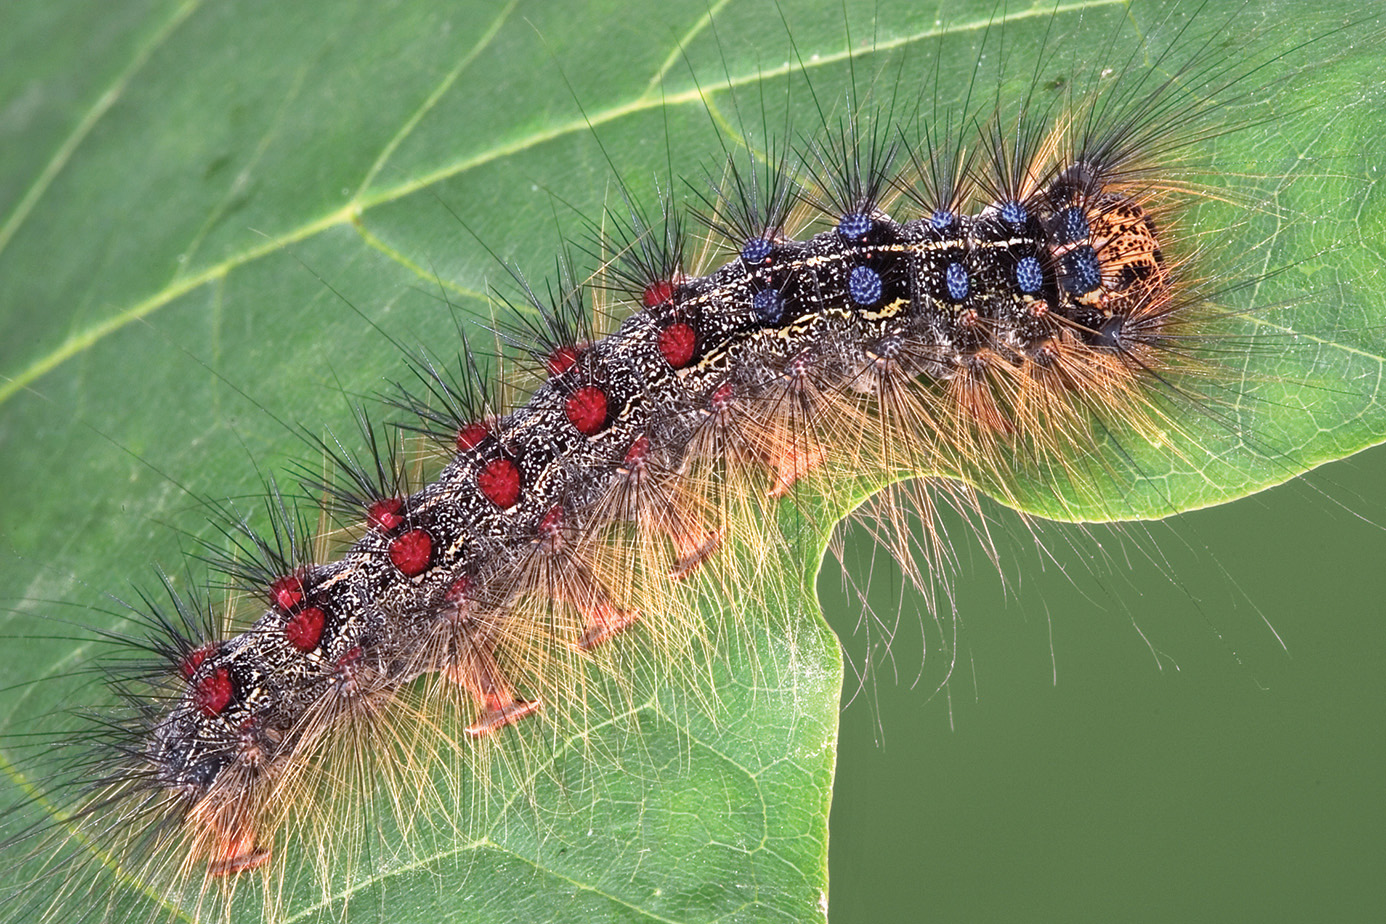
[(266, 352)]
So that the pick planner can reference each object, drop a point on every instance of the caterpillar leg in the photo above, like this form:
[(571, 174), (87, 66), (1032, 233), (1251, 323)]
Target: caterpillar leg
[(479, 675), (790, 459), (235, 859), (601, 617), (501, 713), (693, 546), (473, 667), (649, 496), (234, 848), (604, 621)]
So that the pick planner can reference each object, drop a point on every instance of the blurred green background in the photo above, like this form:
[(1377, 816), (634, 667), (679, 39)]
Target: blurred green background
[(1134, 745)]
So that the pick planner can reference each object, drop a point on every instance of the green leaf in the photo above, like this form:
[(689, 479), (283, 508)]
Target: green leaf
[(208, 210)]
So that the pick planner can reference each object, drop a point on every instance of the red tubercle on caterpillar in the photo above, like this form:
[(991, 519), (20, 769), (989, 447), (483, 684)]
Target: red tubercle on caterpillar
[(586, 410), (189, 665), (721, 399), (553, 520), (798, 374), (287, 592), (472, 436), (550, 531), (411, 552), (251, 751), (304, 628), (718, 414), (213, 693), (634, 465), (636, 454), (562, 359), (677, 344), (499, 482), (385, 515), (1045, 355), (459, 589), (657, 293), (346, 669)]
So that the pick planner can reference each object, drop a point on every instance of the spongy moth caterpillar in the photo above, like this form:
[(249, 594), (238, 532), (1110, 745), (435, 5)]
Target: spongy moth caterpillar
[(268, 355)]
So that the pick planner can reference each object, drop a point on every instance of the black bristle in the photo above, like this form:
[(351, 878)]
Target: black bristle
[(357, 480), (255, 559), (451, 397)]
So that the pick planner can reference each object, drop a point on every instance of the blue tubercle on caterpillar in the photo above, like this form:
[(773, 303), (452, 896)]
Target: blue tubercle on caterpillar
[(515, 667)]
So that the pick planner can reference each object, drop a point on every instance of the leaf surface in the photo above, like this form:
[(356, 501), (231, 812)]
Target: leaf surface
[(209, 215)]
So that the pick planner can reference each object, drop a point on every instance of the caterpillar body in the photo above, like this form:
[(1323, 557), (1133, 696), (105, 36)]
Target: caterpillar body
[(1016, 303)]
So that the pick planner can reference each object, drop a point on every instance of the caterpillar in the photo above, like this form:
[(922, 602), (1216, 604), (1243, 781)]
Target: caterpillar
[(1083, 182)]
